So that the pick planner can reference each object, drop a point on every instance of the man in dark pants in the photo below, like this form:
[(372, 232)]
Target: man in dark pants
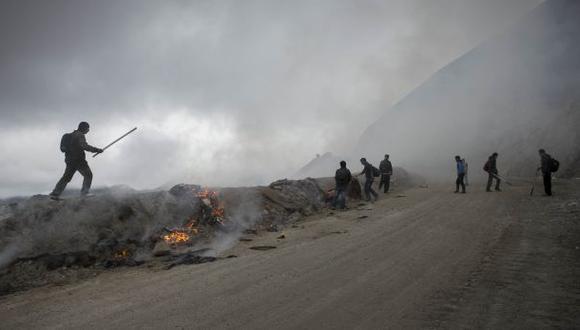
[(369, 178), (342, 179), (546, 171), (74, 148), (491, 169), (386, 169), (460, 175)]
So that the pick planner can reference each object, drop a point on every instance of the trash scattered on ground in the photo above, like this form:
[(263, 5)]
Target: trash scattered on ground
[(281, 237), (189, 258), (339, 232), (251, 232), (262, 247), (273, 229)]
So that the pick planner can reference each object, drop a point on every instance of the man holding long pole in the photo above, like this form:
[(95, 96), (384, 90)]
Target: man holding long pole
[(74, 145)]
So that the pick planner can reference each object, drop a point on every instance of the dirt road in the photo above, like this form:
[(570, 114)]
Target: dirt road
[(427, 258)]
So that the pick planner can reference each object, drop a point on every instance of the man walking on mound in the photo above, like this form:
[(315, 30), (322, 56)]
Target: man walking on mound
[(74, 145)]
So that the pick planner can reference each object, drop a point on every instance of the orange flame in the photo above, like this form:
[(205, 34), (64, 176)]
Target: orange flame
[(122, 254), (176, 237)]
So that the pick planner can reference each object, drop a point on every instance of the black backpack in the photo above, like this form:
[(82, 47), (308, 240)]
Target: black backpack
[(65, 142), (376, 172), (554, 165), (342, 176)]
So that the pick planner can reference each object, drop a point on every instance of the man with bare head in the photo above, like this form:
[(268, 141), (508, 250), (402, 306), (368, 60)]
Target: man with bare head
[(548, 165), (491, 168), (369, 172), (386, 169), (74, 145)]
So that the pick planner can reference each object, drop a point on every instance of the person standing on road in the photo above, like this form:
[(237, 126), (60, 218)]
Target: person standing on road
[(547, 168), (491, 168), (342, 178), (460, 175), (74, 145), (386, 169), (368, 171)]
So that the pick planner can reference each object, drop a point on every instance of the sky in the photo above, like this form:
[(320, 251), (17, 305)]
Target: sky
[(223, 93)]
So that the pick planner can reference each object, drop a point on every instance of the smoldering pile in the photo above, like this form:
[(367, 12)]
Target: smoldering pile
[(40, 237)]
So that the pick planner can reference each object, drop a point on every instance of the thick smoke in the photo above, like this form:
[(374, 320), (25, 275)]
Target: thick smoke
[(224, 93)]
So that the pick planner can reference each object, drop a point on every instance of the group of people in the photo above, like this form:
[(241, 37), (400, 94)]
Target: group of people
[(75, 144), (343, 177), (547, 167)]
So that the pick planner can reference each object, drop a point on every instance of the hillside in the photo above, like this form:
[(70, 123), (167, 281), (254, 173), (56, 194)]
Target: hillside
[(515, 93)]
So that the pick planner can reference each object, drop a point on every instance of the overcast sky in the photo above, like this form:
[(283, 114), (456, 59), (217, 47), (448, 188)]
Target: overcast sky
[(223, 92)]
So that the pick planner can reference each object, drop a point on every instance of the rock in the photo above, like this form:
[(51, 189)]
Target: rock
[(161, 249), (183, 189)]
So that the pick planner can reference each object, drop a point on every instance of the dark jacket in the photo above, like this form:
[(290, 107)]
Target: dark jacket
[(386, 167), (491, 165), (342, 177), (368, 171), (77, 147), (546, 159)]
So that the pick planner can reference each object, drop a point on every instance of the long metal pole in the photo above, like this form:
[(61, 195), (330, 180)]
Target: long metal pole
[(117, 140)]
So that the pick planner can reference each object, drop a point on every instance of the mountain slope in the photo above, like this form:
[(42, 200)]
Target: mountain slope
[(515, 93)]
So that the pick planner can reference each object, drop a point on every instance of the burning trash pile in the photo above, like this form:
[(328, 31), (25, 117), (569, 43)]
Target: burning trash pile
[(187, 224)]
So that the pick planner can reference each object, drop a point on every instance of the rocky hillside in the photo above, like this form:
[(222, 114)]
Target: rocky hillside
[(515, 93)]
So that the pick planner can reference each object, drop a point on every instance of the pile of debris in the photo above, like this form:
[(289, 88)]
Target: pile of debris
[(38, 235)]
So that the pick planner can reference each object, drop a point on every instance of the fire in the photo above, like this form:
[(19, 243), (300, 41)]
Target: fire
[(182, 235), (176, 237), (213, 205), (218, 213), (122, 254)]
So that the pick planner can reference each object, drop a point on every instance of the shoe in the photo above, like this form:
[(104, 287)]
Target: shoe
[(463, 192), (488, 190), (87, 195), (497, 189), (54, 197)]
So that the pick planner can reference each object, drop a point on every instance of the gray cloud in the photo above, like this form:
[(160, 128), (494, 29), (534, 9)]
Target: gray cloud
[(267, 83)]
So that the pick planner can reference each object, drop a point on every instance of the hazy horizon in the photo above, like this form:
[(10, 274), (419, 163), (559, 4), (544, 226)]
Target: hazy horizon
[(224, 93)]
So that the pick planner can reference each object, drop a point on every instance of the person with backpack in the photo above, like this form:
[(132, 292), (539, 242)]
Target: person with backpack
[(386, 169), (548, 165), (74, 146), (370, 173), (491, 168), (466, 171), (460, 175), (342, 178)]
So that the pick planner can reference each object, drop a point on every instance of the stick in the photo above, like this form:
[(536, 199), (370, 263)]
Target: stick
[(117, 140), (534, 183), (501, 178)]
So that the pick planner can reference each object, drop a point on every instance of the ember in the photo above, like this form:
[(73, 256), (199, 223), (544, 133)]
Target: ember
[(176, 237), (122, 254)]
